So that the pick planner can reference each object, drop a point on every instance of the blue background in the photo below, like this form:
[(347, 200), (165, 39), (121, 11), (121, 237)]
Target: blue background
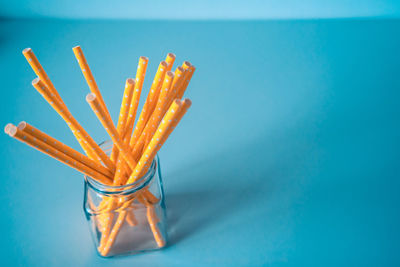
[(288, 156), (206, 9)]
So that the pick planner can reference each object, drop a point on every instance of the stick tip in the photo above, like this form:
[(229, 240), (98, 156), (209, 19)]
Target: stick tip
[(90, 97), (35, 81), (187, 63), (144, 58), (187, 102), (170, 74), (164, 64), (8, 127), (26, 50), (180, 69), (21, 125), (130, 81), (76, 47), (171, 55)]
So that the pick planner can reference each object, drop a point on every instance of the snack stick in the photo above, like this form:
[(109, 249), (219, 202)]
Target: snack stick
[(32, 141), (123, 114), (150, 101), (140, 74), (153, 147), (41, 73), (29, 129), (67, 116), (124, 150), (170, 59), (155, 117), (87, 73), (188, 76), (176, 84)]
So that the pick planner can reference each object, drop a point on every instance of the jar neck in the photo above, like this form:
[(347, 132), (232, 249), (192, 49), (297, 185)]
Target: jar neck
[(124, 189)]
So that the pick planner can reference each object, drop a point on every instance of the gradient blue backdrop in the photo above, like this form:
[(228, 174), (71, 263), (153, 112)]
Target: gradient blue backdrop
[(206, 9), (288, 156)]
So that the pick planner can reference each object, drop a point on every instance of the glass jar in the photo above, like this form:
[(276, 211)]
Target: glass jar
[(126, 219)]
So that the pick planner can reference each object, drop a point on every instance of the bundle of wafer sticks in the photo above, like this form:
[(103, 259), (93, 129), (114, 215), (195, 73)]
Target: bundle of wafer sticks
[(135, 144)]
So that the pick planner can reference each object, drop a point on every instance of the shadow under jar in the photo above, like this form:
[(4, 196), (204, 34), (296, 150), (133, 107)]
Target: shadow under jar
[(126, 219)]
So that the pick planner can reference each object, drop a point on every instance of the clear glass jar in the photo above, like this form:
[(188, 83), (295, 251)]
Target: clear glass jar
[(126, 219)]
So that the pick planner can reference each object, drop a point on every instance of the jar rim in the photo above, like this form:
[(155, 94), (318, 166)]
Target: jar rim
[(123, 189)]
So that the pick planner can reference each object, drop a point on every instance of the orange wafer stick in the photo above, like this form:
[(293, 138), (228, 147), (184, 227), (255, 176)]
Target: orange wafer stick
[(118, 180), (120, 174), (151, 215), (170, 59), (163, 104), (153, 220), (121, 165), (124, 150), (110, 204), (123, 113), (176, 84), (38, 69), (180, 73), (124, 215), (152, 199), (29, 129), (186, 66), (178, 78), (88, 150), (87, 73), (66, 115), (142, 166), (107, 219), (131, 219), (188, 76), (28, 139), (105, 249), (176, 88), (108, 240), (186, 104), (140, 74), (151, 212), (156, 116), (122, 121), (154, 95), (40, 72), (151, 100), (152, 149), (107, 123)]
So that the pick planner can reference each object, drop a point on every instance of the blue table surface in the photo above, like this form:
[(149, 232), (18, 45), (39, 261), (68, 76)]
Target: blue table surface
[(288, 156)]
